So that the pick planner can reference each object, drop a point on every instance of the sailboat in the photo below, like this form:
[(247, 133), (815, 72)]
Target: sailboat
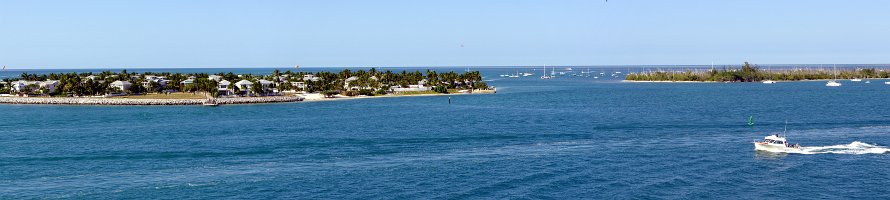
[(544, 74), (834, 83), (770, 80)]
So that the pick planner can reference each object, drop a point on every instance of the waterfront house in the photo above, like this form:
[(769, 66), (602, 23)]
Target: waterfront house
[(223, 88), (92, 77), (244, 86), (50, 85), (348, 83), (266, 85), (162, 81), (122, 85), (20, 85), (301, 85)]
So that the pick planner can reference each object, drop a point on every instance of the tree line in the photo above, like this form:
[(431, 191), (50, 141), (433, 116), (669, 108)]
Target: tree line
[(754, 73)]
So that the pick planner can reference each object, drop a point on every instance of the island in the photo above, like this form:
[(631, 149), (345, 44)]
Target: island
[(754, 73), (168, 88)]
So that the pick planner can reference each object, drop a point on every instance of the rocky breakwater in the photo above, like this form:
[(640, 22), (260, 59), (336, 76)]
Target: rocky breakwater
[(125, 101)]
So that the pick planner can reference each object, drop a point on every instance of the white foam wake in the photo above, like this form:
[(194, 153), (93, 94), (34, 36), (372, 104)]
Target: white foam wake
[(852, 148)]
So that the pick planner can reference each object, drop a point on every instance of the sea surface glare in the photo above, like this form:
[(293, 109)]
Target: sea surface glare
[(565, 138)]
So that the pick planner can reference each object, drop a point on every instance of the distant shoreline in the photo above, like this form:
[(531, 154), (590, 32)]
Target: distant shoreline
[(777, 81), (100, 101)]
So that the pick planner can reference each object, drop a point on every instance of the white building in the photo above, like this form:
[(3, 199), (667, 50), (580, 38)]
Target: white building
[(50, 85), (216, 78), (310, 77), (244, 86), (20, 85), (223, 88), (266, 85), (122, 85), (301, 85), (161, 80)]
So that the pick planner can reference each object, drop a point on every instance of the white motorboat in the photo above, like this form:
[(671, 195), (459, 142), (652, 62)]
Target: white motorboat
[(856, 80), (888, 82), (770, 80), (776, 143)]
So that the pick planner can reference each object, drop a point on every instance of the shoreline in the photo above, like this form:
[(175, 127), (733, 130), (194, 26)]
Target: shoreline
[(313, 97), (99, 101), (777, 81)]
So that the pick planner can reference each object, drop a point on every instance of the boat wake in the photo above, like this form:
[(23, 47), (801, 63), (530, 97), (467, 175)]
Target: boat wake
[(852, 148)]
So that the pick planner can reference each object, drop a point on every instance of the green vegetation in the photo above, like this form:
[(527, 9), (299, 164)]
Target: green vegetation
[(347, 82), (749, 73)]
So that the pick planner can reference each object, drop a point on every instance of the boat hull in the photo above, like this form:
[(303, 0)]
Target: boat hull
[(774, 148)]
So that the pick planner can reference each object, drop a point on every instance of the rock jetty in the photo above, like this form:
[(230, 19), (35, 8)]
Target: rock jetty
[(123, 101)]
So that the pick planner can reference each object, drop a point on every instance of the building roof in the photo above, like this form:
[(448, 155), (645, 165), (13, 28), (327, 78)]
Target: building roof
[(224, 82), (265, 82), (121, 83), (244, 82)]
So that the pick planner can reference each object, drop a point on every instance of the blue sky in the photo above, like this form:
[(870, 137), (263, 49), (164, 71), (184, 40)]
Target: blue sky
[(213, 33)]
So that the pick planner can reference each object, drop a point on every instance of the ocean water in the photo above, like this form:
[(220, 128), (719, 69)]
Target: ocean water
[(566, 138)]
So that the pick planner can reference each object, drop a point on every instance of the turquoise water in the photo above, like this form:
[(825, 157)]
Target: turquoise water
[(567, 138)]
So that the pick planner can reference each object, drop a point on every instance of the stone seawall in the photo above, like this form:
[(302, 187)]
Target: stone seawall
[(122, 101)]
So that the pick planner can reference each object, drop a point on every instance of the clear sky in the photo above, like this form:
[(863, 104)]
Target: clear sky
[(215, 33)]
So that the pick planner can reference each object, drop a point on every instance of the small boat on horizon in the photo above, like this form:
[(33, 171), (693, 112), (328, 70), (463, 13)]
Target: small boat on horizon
[(833, 83)]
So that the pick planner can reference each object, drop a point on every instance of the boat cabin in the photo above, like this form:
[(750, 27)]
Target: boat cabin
[(774, 139)]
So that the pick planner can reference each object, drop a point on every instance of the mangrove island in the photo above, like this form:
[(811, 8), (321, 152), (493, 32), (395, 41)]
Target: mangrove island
[(754, 73)]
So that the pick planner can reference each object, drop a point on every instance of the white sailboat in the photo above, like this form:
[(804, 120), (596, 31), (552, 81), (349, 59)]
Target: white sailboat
[(770, 80), (833, 83), (544, 74)]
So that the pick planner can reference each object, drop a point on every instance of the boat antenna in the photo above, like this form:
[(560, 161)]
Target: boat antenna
[(785, 132)]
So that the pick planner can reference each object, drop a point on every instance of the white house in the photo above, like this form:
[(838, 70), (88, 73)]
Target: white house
[(189, 81), (301, 85), (266, 85), (122, 85), (310, 77), (223, 88), (348, 83), (161, 80), (49, 85), (244, 86), (412, 88), (20, 85), (216, 78)]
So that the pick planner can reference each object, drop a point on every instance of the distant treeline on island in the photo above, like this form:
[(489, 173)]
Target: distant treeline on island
[(347, 82), (749, 73)]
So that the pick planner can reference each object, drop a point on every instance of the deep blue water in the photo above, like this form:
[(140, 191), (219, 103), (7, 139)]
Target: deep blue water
[(566, 138)]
